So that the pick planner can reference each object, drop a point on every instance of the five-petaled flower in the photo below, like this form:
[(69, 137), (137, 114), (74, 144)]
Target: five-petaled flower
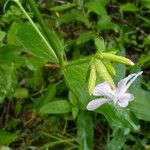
[(117, 96)]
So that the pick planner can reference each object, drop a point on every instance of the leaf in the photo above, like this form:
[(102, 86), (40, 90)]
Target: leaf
[(100, 44), (55, 42), (72, 16), (130, 7), (145, 3), (85, 131), (118, 117), (12, 34), (141, 104), (97, 7), (85, 37), (9, 54), (32, 43), (120, 72), (146, 40), (7, 80), (47, 97), (73, 99), (63, 7), (118, 140), (105, 23), (7, 137), (2, 35), (75, 77), (144, 60), (21, 93), (56, 107), (74, 112)]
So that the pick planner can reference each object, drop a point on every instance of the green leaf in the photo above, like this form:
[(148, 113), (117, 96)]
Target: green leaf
[(85, 37), (72, 16), (97, 7), (7, 80), (73, 99), (12, 34), (140, 105), (100, 44), (75, 77), (55, 42), (74, 112), (145, 3), (2, 35), (118, 140), (85, 131), (130, 7), (119, 117), (9, 54), (105, 23), (120, 72), (32, 43), (147, 40), (56, 107), (21, 93), (144, 60), (47, 97), (7, 137), (63, 7)]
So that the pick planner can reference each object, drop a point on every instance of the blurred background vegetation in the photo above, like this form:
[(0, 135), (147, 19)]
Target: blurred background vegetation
[(37, 108)]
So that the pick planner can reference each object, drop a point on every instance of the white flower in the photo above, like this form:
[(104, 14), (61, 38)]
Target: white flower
[(117, 96)]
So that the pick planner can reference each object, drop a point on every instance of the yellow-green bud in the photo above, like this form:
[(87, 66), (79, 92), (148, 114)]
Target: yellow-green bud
[(102, 72), (92, 79), (110, 68), (116, 58)]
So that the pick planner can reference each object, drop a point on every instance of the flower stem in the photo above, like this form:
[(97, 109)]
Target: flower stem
[(53, 40), (78, 61), (36, 28), (51, 144)]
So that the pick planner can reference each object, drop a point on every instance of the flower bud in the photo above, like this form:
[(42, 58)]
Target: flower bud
[(110, 68), (116, 58), (102, 72), (92, 79)]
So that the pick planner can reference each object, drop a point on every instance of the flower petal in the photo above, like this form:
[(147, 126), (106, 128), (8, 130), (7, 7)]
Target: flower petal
[(103, 89), (124, 84), (94, 104), (124, 100), (132, 80)]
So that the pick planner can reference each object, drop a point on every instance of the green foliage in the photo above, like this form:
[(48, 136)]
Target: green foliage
[(119, 118), (7, 137), (9, 54), (72, 16), (52, 54), (76, 81), (85, 131), (33, 43), (21, 93), (7, 80), (56, 107), (128, 7), (141, 103), (118, 140)]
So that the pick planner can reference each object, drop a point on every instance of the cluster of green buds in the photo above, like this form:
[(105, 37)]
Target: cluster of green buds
[(100, 65)]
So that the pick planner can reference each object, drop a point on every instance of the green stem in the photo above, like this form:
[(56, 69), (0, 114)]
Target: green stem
[(51, 144), (46, 31), (78, 61), (144, 19), (36, 28)]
